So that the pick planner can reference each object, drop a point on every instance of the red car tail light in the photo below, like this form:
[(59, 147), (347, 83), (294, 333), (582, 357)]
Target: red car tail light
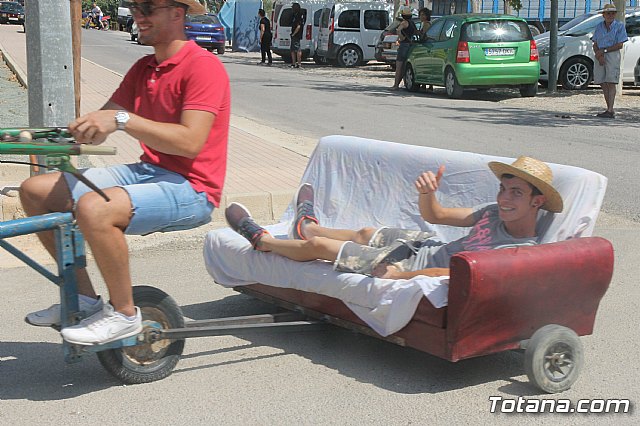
[(308, 34), (533, 51), (462, 55), (331, 26)]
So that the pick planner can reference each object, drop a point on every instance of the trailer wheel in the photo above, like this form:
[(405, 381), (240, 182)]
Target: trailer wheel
[(553, 358), (150, 361)]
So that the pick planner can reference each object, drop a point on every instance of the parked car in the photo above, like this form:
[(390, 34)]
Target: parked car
[(206, 30), (349, 32), (281, 28), (11, 12), (387, 46), (133, 31), (575, 52), (475, 51)]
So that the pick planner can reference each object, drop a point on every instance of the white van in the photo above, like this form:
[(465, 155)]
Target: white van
[(281, 27), (349, 31), (123, 15)]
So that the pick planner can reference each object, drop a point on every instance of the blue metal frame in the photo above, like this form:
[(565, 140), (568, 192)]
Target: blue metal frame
[(71, 255)]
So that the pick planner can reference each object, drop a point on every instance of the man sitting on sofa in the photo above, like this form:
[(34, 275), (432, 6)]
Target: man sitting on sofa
[(525, 187)]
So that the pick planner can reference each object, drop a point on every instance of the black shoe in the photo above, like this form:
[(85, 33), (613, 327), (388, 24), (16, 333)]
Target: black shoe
[(304, 211), (606, 114), (240, 220)]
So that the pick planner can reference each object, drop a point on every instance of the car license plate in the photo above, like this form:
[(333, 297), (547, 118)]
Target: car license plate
[(203, 38), (500, 51), (13, 19), (285, 42)]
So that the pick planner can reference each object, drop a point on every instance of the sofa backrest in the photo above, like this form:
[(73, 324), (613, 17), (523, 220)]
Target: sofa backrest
[(364, 182)]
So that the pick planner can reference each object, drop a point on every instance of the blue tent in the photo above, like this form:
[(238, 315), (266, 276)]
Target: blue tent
[(240, 19)]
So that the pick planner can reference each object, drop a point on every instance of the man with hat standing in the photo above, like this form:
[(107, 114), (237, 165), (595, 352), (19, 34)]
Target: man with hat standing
[(526, 186), (608, 38), (176, 102)]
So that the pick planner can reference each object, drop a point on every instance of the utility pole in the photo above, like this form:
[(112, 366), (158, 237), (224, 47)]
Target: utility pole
[(49, 64), (620, 16), (553, 48)]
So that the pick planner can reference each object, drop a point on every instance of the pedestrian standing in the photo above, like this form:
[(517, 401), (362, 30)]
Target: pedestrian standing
[(608, 38), (265, 37), (297, 27), (406, 30)]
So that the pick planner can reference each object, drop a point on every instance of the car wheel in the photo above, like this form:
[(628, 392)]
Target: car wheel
[(576, 74), (453, 88), (349, 56), (221, 50), (529, 90), (410, 79)]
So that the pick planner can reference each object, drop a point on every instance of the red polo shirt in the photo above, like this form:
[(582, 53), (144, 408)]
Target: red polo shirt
[(192, 79)]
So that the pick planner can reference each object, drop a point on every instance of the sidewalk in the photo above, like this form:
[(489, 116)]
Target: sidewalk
[(266, 189)]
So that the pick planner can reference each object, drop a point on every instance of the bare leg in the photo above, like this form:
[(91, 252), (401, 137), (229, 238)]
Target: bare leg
[(299, 57), (361, 236), (399, 70), (302, 250), (103, 224), (49, 193), (610, 97), (293, 58)]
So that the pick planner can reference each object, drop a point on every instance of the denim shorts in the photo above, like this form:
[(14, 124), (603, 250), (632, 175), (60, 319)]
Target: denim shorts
[(161, 200), (295, 45)]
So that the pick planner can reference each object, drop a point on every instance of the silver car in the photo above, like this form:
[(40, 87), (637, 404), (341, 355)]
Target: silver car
[(575, 51)]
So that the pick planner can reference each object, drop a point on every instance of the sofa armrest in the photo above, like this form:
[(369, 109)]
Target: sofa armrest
[(498, 298)]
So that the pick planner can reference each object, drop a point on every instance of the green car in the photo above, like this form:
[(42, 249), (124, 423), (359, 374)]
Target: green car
[(475, 51)]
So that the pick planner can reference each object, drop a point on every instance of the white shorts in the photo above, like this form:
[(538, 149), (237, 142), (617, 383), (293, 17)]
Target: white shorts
[(610, 71)]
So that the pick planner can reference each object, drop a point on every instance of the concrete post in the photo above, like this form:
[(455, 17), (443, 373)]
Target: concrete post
[(49, 63), (620, 16)]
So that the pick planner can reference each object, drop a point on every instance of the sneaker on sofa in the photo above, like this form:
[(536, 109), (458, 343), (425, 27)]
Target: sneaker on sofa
[(102, 327), (304, 211), (240, 220), (51, 316)]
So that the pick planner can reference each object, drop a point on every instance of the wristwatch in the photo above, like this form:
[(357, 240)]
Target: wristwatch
[(121, 119), (605, 50)]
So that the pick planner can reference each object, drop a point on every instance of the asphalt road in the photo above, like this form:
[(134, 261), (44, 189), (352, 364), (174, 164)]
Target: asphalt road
[(332, 376)]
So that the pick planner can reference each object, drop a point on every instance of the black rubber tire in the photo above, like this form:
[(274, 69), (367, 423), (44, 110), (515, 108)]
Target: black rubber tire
[(529, 90), (453, 88), (133, 37), (410, 79), (149, 362), (286, 59), (576, 74), (554, 358), (220, 51), (349, 56)]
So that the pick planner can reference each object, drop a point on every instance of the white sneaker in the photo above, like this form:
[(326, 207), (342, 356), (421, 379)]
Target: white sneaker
[(51, 316), (103, 327)]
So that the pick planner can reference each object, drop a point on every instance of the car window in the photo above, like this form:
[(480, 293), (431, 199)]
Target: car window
[(324, 17), (585, 27), (434, 31), (490, 31), (285, 17), (202, 19), (632, 24), (316, 17), (349, 19), (376, 19), (449, 29), (575, 21)]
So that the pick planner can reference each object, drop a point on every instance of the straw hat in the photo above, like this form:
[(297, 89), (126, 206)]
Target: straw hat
[(609, 8), (537, 173), (195, 7), (404, 11)]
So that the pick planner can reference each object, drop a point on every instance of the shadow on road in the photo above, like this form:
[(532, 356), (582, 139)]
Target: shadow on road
[(363, 358)]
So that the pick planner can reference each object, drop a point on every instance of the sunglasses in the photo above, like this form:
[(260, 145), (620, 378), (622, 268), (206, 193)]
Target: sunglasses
[(145, 8)]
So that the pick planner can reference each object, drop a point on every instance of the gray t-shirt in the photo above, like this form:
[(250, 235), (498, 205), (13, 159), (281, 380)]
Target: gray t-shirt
[(487, 233)]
